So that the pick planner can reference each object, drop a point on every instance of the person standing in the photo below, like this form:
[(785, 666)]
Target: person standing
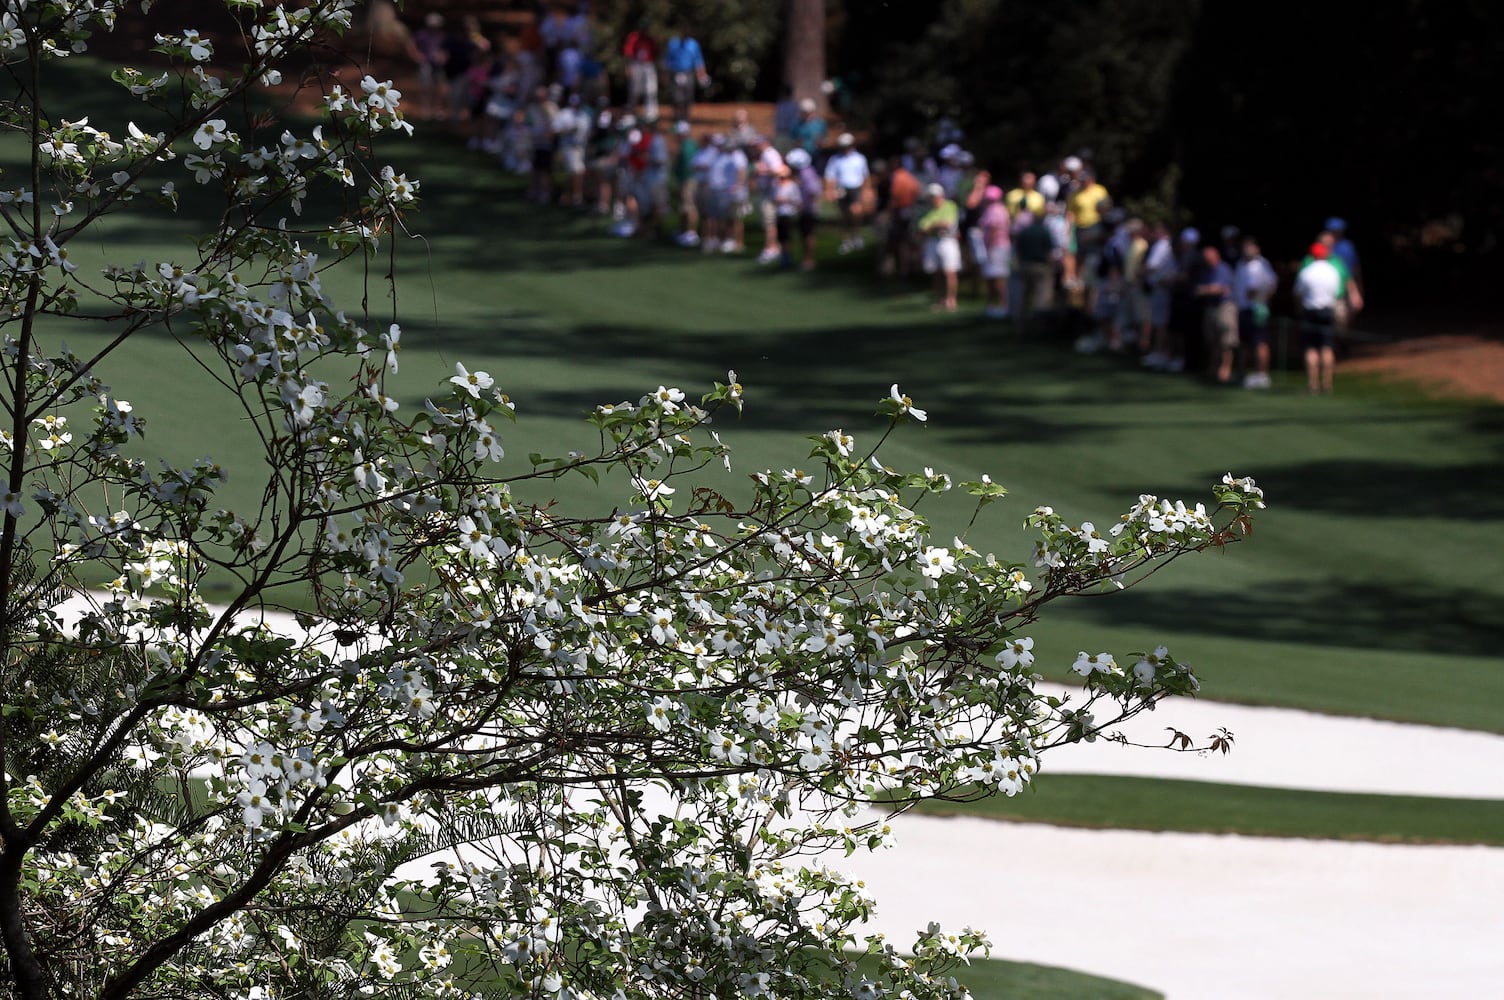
[(651, 157), (1318, 289), (1159, 278), (785, 118), (1219, 316), (940, 226), (462, 48), (541, 113), (767, 168), (846, 176), (1253, 285), (602, 152), (429, 50), (743, 133), (970, 193), (553, 27), (571, 132), (1063, 232), (1343, 250), (1349, 299), (787, 201), (1344, 257), (728, 197), (996, 225), (811, 189), (685, 64), (904, 190), (1025, 197), (641, 53), (1087, 205), (1131, 326), (1033, 258), (810, 130), (688, 180), (1186, 350)]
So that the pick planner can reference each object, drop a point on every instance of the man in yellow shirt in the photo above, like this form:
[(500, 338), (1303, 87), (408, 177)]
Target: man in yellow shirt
[(1086, 204), (1085, 207), (1025, 198)]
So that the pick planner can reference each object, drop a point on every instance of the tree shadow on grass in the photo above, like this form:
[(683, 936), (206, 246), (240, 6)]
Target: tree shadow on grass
[(1375, 488), (1356, 615), (803, 379)]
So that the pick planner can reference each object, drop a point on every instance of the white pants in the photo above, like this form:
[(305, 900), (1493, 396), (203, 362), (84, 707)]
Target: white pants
[(642, 87)]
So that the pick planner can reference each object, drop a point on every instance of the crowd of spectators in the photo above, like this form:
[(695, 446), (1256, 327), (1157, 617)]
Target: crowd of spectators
[(1046, 248)]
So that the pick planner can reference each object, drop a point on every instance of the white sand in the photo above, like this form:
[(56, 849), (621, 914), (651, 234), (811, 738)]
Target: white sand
[(1287, 748), (1198, 916), (1202, 917)]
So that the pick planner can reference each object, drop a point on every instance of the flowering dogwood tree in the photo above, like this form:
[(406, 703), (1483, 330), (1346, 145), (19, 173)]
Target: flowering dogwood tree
[(440, 742)]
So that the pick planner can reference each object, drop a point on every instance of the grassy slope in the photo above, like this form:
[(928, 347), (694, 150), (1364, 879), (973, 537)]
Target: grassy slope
[(1000, 980), (1204, 807), (1371, 587)]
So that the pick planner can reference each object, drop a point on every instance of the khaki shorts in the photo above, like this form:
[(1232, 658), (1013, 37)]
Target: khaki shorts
[(1220, 325)]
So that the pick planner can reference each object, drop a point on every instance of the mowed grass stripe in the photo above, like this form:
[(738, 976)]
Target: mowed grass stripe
[(1372, 586), (1097, 801)]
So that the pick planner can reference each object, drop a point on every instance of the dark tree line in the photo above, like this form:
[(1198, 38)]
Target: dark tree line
[(1271, 116)]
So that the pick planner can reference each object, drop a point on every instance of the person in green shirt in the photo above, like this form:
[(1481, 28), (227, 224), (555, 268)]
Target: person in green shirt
[(682, 173), (1349, 297), (940, 226)]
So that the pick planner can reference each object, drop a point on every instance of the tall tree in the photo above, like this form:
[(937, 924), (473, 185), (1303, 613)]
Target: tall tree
[(804, 50)]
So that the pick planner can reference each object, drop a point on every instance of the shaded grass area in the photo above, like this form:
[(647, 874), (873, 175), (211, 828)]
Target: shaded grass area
[(1204, 807), (1372, 586)]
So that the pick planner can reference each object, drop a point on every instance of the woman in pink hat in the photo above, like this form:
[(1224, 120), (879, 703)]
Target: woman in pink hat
[(997, 259)]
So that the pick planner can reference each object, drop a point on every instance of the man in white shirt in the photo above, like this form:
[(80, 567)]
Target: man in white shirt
[(767, 167), (846, 175), (1318, 288), (728, 197), (1159, 275)]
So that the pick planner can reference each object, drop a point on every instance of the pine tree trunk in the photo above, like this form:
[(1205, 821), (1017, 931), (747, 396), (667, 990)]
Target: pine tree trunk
[(804, 50)]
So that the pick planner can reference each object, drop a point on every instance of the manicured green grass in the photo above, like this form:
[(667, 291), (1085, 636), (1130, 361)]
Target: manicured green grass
[(1203, 807), (997, 979), (1371, 587), (1000, 980)]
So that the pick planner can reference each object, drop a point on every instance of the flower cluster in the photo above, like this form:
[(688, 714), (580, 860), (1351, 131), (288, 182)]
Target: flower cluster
[(433, 721)]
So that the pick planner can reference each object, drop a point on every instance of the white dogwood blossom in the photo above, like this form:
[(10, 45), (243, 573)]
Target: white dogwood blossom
[(430, 725)]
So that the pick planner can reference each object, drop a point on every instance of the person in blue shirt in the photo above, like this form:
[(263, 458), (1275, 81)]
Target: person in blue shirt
[(1214, 280), (810, 130), (1345, 255), (685, 65)]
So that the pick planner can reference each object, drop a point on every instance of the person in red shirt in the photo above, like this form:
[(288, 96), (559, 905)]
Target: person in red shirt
[(641, 51), (903, 194)]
